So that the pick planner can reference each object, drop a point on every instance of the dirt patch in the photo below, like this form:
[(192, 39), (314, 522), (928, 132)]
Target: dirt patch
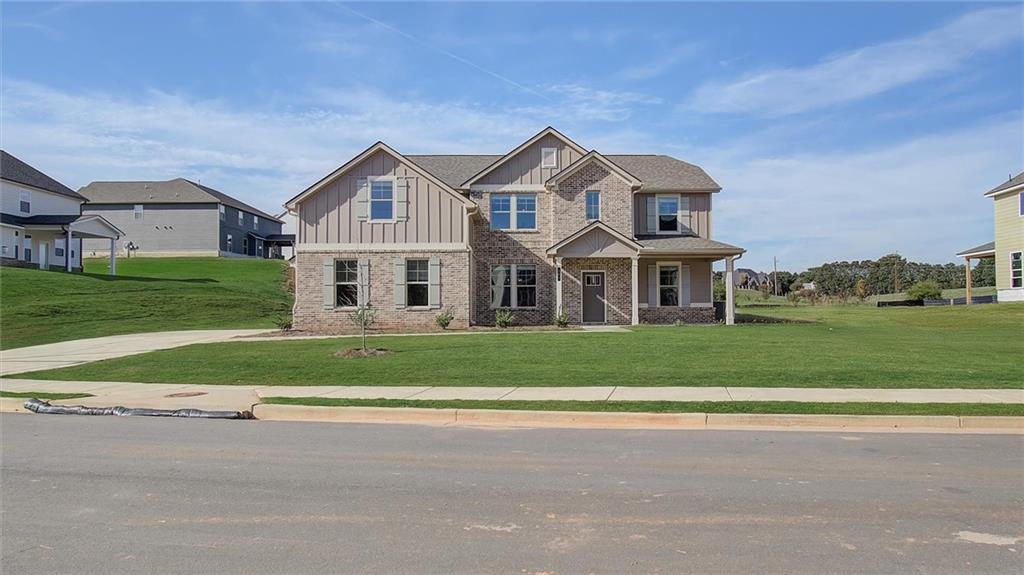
[(360, 352)]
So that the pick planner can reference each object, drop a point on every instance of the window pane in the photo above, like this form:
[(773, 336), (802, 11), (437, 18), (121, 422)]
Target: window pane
[(593, 205), (526, 296), (526, 275), (381, 210), (416, 295), (346, 271), (501, 221), (417, 271), (381, 190), (668, 296), (501, 280), (668, 276), (526, 203), (348, 295), (526, 221), (667, 214)]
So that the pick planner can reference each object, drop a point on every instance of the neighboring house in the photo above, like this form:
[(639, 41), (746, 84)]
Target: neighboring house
[(1008, 247), (41, 221), (547, 227), (746, 278), (183, 218), (288, 229)]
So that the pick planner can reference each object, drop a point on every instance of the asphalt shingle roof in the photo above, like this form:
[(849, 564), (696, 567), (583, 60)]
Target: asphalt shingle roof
[(15, 170), (685, 244), (986, 247), (1014, 181), (176, 191)]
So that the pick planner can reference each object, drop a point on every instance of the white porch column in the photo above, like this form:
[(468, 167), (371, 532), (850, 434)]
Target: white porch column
[(558, 286), (730, 308), (635, 278), (67, 252), (113, 257)]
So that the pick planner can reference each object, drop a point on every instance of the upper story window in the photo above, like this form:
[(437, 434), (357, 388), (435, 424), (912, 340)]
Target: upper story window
[(593, 202), (25, 205), (514, 212), (549, 157), (1016, 270), (1020, 200), (668, 214), (382, 200), (241, 218), (137, 211), (255, 222), (223, 213)]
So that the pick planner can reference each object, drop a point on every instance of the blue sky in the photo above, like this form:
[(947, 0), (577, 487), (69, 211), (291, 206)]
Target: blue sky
[(838, 131)]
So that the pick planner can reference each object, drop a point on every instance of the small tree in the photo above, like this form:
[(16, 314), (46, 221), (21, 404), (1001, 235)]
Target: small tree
[(924, 290), (861, 290), (364, 318)]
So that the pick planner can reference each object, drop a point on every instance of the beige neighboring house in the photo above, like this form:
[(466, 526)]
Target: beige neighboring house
[(548, 227), (1008, 247), (41, 220)]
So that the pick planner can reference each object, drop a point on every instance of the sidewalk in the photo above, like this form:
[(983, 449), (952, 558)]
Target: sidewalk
[(244, 396), (68, 353)]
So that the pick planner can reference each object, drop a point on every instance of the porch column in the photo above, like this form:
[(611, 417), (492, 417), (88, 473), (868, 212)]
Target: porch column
[(558, 286), (67, 252), (967, 268), (635, 277), (113, 257), (730, 309)]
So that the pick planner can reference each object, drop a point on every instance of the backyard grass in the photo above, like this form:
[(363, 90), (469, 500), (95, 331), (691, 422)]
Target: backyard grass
[(43, 395), (808, 346), (148, 294), (768, 407)]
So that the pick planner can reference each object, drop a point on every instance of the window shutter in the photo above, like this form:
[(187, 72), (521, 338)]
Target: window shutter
[(684, 213), (434, 290), (328, 265), (399, 283), (684, 291), (652, 214), (402, 199), (363, 279), (652, 285), (362, 198)]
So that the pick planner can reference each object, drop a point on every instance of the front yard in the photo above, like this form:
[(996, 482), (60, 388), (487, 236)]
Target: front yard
[(820, 346)]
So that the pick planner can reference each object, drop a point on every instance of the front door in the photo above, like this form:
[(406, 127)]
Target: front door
[(593, 297), (44, 256)]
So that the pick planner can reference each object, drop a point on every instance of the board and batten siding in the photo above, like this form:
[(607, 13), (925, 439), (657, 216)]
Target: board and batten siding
[(524, 168), (700, 212), (1009, 227), (330, 216)]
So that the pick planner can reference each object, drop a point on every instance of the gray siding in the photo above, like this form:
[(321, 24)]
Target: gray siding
[(700, 213), (239, 233), (169, 228)]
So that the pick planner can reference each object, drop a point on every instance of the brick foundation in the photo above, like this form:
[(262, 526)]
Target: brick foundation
[(667, 315)]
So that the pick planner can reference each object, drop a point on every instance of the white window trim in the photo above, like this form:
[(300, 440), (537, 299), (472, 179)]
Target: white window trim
[(1020, 256), (223, 213), (338, 283), (554, 156), (585, 206), (513, 295), (513, 217), (256, 223), (369, 199), (657, 213), (679, 282), (25, 196), (425, 282), (138, 212), (241, 219)]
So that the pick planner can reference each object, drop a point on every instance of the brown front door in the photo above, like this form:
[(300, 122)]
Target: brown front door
[(593, 297)]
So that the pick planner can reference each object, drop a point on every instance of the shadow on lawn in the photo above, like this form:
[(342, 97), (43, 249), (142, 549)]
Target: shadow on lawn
[(753, 318), (106, 277)]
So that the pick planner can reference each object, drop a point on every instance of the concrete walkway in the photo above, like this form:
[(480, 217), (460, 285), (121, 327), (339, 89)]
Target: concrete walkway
[(68, 353), (244, 396)]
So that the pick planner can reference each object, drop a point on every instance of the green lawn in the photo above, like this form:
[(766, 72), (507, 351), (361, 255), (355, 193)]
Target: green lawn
[(148, 294), (819, 346), (43, 395), (773, 407)]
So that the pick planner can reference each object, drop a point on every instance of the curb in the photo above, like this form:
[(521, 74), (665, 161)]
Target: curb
[(626, 420)]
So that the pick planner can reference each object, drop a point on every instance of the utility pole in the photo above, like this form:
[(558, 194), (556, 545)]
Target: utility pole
[(775, 268)]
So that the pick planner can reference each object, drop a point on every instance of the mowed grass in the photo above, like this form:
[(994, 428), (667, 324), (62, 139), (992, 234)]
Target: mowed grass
[(148, 294), (42, 395), (820, 346)]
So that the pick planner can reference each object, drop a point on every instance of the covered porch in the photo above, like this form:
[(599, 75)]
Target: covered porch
[(984, 251), (605, 277), (50, 241)]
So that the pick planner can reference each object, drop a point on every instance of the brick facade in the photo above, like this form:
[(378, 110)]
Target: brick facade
[(309, 313), (663, 315), (569, 213), (618, 283)]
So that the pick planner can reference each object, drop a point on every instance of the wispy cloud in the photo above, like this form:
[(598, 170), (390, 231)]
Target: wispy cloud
[(583, 103), (866, 72), (660, 63)]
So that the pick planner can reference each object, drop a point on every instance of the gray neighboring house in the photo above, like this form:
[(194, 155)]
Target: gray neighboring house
[(180, 217)]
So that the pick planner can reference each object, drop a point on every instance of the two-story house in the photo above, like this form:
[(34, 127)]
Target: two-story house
[(548, 227), (180, 217), (1008, 247), (41, 220)]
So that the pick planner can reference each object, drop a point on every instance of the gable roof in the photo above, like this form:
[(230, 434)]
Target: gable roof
[(986, 249), (595, 225), (17, 171), (377, 147), (594, 156), (176, 191), (1014, 182), (549, 131), (453, 169), (687, 244)]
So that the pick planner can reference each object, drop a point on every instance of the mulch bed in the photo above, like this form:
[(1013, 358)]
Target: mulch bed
[(360, 352)]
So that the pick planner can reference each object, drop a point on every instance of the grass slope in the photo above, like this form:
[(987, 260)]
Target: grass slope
[(148, 294), (820, 346)]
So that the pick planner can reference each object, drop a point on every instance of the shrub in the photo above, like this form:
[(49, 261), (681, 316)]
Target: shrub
[(562, 319), (719, 290), (793, 297), (444, 318), (363, 318), (765, 291), (924, 290), (861, 289), (283, 322), (503, 318)]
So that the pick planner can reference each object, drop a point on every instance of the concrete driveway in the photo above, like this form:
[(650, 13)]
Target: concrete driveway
[(68, 353)]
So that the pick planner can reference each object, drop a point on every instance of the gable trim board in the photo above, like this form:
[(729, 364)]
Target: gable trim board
[(596, 225), (545, 132)]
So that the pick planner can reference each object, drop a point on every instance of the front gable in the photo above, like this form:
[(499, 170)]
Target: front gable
[(523, 167), (596, 240)]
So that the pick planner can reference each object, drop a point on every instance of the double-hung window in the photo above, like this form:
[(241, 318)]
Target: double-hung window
[(25, 202), (593, 203), (223, 213), (514, 212), (346, 283), (241, 218), (382, 200), (668, 214), (137, 211), (514, 286), (256, 222), (58, 248), (1016, 270), (668, 286), (417, 283)]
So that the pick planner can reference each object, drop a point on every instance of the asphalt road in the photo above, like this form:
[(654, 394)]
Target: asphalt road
[(123, 495)]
